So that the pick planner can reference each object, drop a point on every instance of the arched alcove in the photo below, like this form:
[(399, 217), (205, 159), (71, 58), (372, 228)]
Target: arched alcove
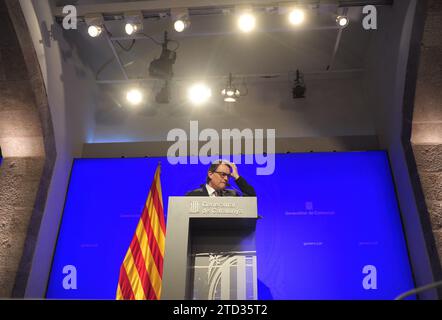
[(28, 150)]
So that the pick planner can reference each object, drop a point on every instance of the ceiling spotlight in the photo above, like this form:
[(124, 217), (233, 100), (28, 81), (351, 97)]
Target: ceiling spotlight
[(131, 28), (199, 93), (134, 22), (230, 93), (95, 24), (181, 19), (342, 21), (296, 16), (162, 68), (134, 96), (94, 31), (180, 25), (299, 87), (246, 20), (163, 96)]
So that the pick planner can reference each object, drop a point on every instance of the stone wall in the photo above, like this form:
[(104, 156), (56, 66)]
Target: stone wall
[(26, 141), (427, 119), (429, 163)]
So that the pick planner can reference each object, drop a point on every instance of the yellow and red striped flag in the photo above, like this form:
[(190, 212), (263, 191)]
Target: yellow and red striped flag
[(142, 268)]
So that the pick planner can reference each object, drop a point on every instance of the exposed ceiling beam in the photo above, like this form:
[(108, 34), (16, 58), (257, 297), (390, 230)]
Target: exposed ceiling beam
[(116, 56), (226, 33), (119, 8), (264, 77)]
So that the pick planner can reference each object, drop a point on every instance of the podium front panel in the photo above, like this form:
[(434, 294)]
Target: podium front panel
[(210, 248)]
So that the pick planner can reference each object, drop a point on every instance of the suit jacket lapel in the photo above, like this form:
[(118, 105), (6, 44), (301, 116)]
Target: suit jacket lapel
[(205, 192)]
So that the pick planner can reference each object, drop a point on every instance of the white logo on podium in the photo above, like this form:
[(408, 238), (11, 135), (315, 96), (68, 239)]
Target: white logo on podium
[(194, 207), (225, 276)]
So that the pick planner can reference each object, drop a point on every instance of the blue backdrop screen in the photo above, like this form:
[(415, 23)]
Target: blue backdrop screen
[(331, 227)]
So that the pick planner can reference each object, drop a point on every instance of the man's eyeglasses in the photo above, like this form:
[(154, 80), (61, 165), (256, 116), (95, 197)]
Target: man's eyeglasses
[(223, 174)]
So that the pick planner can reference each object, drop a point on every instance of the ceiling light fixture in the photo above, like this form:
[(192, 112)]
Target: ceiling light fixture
[(95, 24), (199, 93), (163, 96), (296, 16), (180, 25), (230, 93), (246, 19), (134, 96), (299, 87), (342, 21), (181, 19), (134, 22), (161, 68)]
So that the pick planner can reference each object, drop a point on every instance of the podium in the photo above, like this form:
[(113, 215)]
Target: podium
[(210, 250)]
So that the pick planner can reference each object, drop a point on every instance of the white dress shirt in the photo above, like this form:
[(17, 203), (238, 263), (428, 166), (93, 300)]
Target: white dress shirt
[(211, 191)]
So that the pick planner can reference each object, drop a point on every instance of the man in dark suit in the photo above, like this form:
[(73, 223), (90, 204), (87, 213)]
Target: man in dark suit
[(217, 180)]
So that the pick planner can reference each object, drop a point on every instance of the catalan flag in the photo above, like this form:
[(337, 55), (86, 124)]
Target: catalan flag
[(142, 269)]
